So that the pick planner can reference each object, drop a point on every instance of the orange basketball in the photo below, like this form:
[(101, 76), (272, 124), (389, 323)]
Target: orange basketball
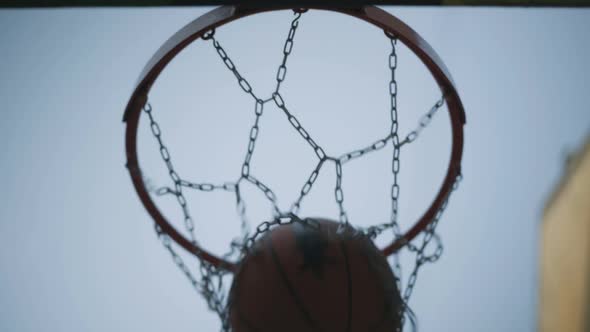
[(314, 277)]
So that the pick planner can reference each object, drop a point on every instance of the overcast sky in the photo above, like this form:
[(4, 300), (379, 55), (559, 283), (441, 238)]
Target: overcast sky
[(78, 251)]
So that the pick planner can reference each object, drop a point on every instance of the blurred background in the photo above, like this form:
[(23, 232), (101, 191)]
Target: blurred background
[(78, 250)]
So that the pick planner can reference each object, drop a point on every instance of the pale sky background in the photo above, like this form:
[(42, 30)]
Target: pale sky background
[(78, 251)]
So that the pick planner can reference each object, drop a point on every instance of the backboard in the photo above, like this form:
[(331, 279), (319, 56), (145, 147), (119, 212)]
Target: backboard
[(342, 3)]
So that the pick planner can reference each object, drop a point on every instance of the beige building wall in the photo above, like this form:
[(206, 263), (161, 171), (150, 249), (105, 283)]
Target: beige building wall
[(565, 251)]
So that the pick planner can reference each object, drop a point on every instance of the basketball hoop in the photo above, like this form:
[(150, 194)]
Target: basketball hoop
[(204, 28)]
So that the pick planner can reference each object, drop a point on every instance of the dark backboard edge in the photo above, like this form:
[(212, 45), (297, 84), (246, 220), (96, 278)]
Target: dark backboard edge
[(299, 3)]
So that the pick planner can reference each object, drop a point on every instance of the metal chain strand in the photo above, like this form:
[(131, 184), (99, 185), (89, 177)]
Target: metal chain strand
[(165, 154), (421, 258), (242, 82), (429, 234), (374, 231), (287, 49), (395, 163), (167, 243), (307, 187), (270, 195), (241, 210), (227, 186), (395, 167), (208, 274), (210, 280), (206, 287), (279, 101), (254, 130), (424, 121), (339, 194), (376, 146), (264, 227)]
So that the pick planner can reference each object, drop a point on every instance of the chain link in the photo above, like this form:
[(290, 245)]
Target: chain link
[(227, 186), (424, 121), (307, 187), (241, 210), (254, 130), (376, 146), (264, 227), (242, 81), (287, 49), (270, 195), (319, 151), (339, 194)]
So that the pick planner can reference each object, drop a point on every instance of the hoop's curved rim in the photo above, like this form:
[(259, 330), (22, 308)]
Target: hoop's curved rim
[(222, 15)]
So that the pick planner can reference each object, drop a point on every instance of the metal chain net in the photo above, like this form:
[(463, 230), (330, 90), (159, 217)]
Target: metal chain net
[(209, 280)]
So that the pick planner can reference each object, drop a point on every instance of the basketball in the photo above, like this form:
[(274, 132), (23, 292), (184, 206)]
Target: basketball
[(314, 276)]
